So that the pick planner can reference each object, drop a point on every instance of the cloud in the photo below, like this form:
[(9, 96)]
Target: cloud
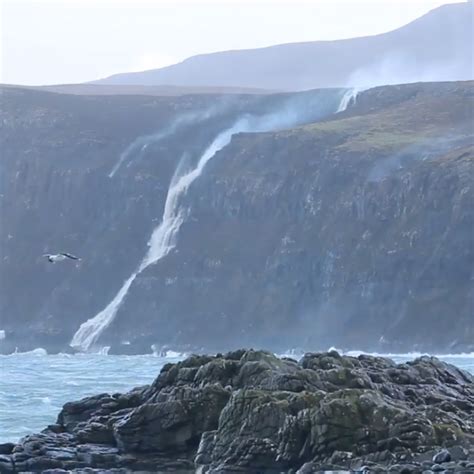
[(401, 68), (152, 60)]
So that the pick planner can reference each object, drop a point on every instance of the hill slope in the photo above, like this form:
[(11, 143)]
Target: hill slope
[(435, 47), (161, 91)]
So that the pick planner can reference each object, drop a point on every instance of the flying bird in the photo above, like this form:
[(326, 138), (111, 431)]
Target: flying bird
[(53, 258)]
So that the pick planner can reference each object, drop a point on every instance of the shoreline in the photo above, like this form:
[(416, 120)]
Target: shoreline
[(294, 353), (253, 410)]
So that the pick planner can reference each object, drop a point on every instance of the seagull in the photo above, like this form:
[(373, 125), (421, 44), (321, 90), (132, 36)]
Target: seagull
[(53, 258)]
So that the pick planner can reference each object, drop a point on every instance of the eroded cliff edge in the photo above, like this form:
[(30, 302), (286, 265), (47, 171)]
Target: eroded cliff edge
[(254, 412)]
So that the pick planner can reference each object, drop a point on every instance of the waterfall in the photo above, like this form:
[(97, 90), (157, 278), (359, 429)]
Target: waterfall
[(161, 242), (349, 97), (163, 238), (91, 329)]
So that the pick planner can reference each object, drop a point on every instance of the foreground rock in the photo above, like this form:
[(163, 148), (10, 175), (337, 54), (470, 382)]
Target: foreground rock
[(250, 411)]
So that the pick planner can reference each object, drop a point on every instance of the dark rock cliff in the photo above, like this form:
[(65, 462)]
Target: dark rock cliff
[(354, 231)]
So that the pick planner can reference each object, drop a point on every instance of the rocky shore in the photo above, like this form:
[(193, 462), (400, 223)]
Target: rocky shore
[(250, 411)]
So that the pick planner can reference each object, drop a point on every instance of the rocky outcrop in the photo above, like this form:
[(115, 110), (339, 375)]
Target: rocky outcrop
[(253, 412)]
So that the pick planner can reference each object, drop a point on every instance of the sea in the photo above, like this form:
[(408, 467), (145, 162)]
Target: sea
[(34, 385)]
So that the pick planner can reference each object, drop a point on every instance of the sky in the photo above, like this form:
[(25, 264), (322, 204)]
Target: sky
[(72, 41)]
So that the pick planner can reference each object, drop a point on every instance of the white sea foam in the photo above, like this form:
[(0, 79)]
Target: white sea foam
[(35, 352), (167, 353), (297, 353)]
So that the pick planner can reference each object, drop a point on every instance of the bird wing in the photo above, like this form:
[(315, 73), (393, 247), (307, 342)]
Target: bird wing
[(69, 255)]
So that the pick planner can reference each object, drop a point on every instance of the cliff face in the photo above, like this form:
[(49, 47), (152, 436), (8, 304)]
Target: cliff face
[(354, 231), (61, 190)]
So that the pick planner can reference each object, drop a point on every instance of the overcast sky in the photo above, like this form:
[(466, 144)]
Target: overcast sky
[(69, 41)]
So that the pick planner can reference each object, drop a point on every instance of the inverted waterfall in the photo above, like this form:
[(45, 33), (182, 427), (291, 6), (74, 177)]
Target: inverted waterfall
[(349, 97)]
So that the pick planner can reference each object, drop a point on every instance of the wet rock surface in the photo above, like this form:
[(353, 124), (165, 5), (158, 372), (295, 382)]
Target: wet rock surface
[(250, 411)]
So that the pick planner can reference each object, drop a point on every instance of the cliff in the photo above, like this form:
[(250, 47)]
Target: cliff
[(351, 230)]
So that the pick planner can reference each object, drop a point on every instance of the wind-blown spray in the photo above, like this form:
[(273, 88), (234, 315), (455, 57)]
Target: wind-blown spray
[(163, 238), (140, 144)]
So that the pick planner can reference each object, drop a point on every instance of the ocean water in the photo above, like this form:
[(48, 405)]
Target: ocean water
[(34, 386)]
